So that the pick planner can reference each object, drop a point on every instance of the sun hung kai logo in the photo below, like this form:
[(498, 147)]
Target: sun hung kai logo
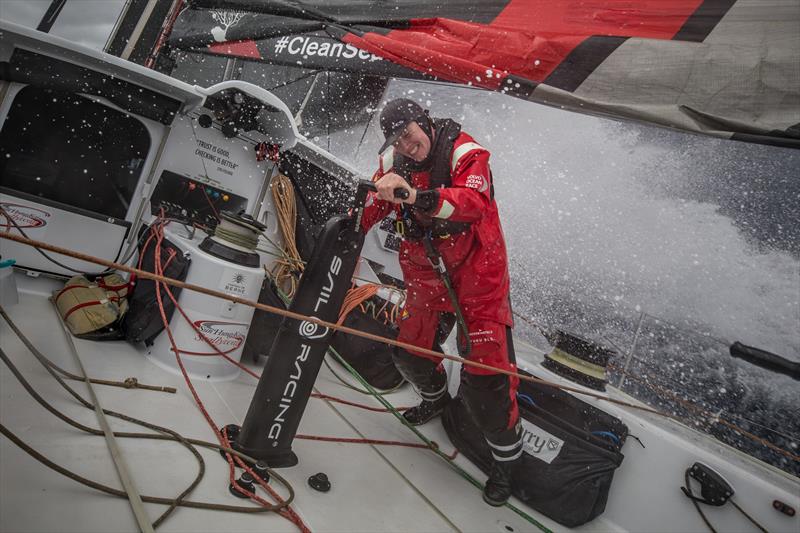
[(24, 216), (227, 336)]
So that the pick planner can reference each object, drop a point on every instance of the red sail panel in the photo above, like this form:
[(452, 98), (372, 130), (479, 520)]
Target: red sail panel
[(246, 49), (529, 38)]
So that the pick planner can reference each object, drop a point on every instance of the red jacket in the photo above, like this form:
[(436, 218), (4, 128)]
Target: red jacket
[(476, 258)]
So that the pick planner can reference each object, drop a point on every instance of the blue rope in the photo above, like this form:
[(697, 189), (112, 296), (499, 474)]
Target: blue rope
[(526, 398), (608, 435)]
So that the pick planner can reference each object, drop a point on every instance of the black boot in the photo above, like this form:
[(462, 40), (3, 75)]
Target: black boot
[(427, 410), (498, 486)]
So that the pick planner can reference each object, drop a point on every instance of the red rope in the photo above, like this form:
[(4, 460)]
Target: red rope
[(221, 436), (157, 233), (247, 370)]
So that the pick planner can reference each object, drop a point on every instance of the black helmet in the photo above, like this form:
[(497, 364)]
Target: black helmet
[(395, 117)]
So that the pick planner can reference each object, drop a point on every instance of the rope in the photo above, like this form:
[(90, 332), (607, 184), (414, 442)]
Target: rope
[(752, 520), (450, 457), (393, 317), (431, 444), (354, 297), (287, 512), (168, 434), (219, 352), (287, 269), (696, 501), (708, 415), (358, 333), (350, 386), (121, 465), (129, 383), (247, 240), (116, 492)]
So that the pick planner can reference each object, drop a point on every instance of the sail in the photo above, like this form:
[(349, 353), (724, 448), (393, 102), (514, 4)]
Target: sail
[(720, 67)]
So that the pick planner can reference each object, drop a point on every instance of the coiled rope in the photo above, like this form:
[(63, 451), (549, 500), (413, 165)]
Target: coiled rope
[(288, 268)]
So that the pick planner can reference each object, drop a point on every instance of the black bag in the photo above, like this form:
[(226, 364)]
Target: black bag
[(143, 321), (372, 359), (571, 450), (264, 326)]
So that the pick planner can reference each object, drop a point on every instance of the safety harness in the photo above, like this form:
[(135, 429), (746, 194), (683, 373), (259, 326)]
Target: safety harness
[(415, 225)]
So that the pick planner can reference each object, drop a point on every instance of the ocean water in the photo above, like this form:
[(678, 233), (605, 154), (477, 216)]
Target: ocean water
[(614, 226)]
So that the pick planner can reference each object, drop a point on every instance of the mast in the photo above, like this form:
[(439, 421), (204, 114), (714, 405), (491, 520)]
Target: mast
[(50, 16), (140, 28)]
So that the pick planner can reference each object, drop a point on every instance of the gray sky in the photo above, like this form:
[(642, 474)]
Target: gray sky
[(86, 22)]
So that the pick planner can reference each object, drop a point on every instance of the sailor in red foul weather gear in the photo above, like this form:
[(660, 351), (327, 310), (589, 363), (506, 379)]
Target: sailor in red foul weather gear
[(450, 205)]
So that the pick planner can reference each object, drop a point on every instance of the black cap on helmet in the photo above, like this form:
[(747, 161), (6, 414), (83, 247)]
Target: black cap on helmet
[(395, 117)]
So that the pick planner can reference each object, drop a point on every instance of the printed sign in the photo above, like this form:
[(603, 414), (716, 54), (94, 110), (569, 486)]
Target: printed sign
[(216, 154)]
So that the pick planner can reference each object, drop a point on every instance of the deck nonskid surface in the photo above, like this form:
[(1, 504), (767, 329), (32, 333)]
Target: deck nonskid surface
[(374, 488)]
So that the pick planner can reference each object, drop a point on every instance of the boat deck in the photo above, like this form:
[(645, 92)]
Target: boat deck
[(374, 487)]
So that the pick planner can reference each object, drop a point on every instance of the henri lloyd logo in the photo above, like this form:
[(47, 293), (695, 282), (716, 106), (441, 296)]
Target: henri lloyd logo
[(308, 330), (539, 443), (227, 336), (24, 216), (308, 46)]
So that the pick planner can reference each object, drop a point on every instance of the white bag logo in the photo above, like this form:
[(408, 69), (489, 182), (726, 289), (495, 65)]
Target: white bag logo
[(539, 443)]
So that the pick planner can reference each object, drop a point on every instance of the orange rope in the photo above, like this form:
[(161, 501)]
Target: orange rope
[(354, 298), (358, 296)]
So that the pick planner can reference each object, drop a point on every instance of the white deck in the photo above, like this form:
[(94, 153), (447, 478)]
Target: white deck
[(375, 488)]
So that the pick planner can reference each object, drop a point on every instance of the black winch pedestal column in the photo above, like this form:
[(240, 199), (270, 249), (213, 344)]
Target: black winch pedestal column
[(299, 347)]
